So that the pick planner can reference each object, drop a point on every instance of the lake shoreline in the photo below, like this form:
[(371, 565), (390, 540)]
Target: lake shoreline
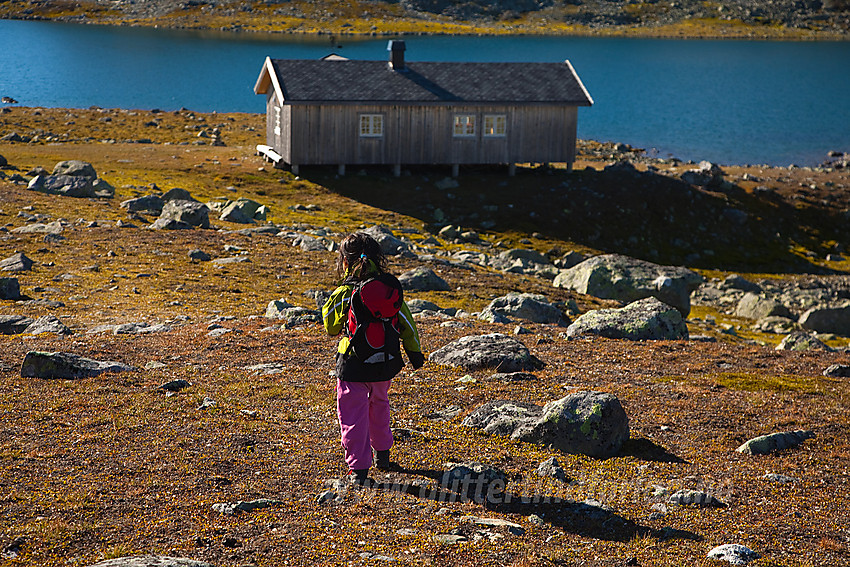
[(328, 18)]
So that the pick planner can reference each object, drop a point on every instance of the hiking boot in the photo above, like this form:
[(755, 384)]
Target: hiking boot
[(360, 477), (382, 460)]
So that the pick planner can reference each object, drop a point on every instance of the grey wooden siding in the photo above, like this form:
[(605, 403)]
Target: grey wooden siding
[(330, 134)]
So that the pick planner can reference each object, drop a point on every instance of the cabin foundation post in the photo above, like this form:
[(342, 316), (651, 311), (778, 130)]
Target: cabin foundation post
[(341, 170), (569, 166), (294, 168), (455, 169), (397, 170), (511, 169)]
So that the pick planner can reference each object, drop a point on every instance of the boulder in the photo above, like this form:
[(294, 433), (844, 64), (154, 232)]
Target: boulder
[(423, 279), (587, 423), (734, 281), (310, 243), (65, 185), (837, 371), (3, 161), (828, 319), (198, 255), (550, 468), (734, 553), (800, 341), (151, 204), (242, 211), (10, 289), (65, 365), (47, 324), (420, 305), (774, 442), (525, 306), (480, 482), (192, 213), (54, 227), (390, 245), (707, 175), (647, 319), (612, 276), (170, 224), (14, 324), (151, 561), (293, 316), (755, 306), (177, 194), (16, 263), (75, 168), (497, 351)]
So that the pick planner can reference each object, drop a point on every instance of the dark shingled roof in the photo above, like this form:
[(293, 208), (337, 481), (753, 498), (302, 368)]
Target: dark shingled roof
[(421, 82)]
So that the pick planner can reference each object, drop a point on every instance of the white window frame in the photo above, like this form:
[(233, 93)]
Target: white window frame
[(464, 126), (371, 125), (495, 125), (277, 121)]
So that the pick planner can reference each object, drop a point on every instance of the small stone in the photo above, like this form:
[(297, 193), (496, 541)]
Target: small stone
[(734, 553)]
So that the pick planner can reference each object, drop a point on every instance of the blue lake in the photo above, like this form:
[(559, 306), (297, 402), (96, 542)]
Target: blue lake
[(726, 101)]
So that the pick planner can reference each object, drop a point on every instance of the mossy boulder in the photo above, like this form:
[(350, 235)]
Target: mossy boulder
[(647, 319), (774, 442), (613, 276), (526, 306), (588, 423), (756, 306)]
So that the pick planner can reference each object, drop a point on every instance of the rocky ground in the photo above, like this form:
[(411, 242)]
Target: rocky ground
[(684, 18), (113, 465)]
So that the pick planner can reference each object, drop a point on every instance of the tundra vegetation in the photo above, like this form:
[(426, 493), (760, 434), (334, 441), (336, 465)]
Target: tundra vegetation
[(207, 430)]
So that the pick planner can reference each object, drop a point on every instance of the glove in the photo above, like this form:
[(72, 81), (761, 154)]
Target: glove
[(417, 359)]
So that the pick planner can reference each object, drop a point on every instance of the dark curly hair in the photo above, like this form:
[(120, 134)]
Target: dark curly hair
[(355, 251)]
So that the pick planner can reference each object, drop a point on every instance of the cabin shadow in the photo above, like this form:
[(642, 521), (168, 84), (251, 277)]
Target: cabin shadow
[(586, 519), (645, 214)]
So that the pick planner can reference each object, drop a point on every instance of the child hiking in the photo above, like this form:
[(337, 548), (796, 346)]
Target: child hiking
[(369, 309)]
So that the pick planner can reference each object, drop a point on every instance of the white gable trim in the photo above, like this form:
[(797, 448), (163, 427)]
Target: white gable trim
[(268, 77), (578, 80)]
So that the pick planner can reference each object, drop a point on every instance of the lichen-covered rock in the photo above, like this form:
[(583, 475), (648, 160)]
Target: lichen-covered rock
[(390, 245), (192, 213), (242, 210), (16, 263), (526, 306), (75, 168), (734, 553), (586, 423), (480, 482), (423, 279), (151, 204), (827, 319), (774, 442), (495, 350), (755, 306), (67, 366), (647, 319), (612, 276), (502, 417), (800, 341), (47, 324), (687, 497)]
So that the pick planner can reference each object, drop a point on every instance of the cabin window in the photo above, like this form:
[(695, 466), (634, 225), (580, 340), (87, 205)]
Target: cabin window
[(495, 125), (277, 121), (371, 125), (464, 125)]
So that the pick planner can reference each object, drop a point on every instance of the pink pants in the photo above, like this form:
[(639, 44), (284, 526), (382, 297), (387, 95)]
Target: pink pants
[(363, 409)]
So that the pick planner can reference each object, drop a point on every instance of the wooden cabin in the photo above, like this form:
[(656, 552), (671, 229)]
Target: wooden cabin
[(346, 112)]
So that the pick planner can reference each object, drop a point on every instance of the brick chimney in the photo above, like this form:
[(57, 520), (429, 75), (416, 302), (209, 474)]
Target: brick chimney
[(396, 49)]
